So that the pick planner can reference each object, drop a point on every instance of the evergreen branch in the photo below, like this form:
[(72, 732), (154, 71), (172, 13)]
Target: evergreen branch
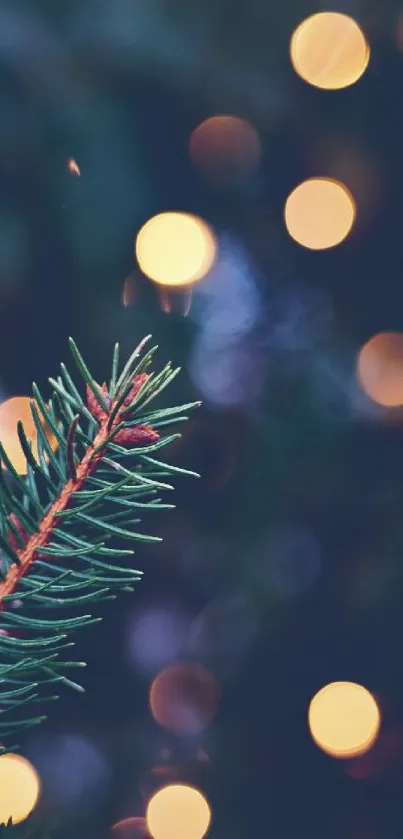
[(59, 539)]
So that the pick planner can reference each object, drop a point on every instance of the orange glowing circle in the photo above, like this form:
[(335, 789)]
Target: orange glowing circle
[(175, 249), (344, 719), (380, 369), (184, 698), (319, 213), (225, 148), (329, 50), (11, 412), (19, 788), (178, 812)]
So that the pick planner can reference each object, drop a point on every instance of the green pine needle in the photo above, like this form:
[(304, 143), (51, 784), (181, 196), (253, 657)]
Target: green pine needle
[(60, 531)]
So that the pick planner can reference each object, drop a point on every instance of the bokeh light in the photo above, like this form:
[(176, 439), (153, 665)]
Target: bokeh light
[(156, 636), (134, 827), (344, 719), (225, 148), (11, 412), (184, 698), (73, 771), (329, 50), (380, 369), (178, 812), (319, 213), (73, 167), (19, 788), (175, 249)]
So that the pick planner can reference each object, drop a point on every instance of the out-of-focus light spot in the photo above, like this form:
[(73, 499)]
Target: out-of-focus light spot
[(319, 213), (292, 560), (184, 698), (74, 772), (178, 812), (225, 148), (11, 412), (157, 636), (134, 827), (344, 719), (176, 302), (19, 788), (129, 292), (329, 50), (380, 369), (223, 632), (175, 249), (73, 167)]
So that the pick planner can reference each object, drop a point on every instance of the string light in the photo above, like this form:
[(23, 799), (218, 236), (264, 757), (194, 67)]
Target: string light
[(329, 50), (380, 369), (11, 412), (225, 148), (19, 788), (184, 698), (319, 213), (175, 249), (178, 811), (344, 719)]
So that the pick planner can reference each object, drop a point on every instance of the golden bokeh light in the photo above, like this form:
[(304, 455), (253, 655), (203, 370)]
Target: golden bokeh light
[(225, 148), (175, 249), (19, 788), (178, 811), (319, 213), (73, 167), (11, 412), (380, 369), (329, 50), (344, 719), (184, 698)]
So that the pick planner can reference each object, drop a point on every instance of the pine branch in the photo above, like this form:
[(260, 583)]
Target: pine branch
[(61, 524)]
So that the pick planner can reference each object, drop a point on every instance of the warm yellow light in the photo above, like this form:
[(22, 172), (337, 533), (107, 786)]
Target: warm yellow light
[(178, 812), (329, 50), (225, 148), (11, 411), (19, 788), (319, 213), (380, 369), (344, 719), (175, 249)]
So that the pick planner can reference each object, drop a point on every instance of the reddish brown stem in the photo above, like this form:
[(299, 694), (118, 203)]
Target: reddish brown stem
[(26, 554)]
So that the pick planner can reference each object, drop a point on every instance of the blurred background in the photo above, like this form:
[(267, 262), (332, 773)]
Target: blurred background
[(227, 176)]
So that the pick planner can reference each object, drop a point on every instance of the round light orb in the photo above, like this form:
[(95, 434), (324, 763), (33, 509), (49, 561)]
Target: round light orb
[(344, 719), (329, 50), (225, 148), (380, 369), (178, 811), (175, 249), (184, 698), (19, 788), (319, 213), (11, 412)]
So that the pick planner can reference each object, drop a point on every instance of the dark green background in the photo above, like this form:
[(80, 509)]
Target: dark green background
[(119, 85)]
